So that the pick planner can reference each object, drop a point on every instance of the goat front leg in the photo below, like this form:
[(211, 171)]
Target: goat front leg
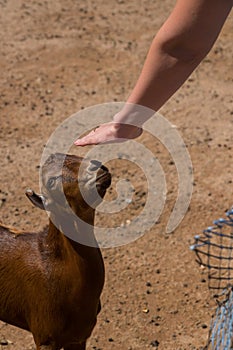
[(81, 346)]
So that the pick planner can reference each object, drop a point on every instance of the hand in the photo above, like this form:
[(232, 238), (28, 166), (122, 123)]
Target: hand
[(110, 133)]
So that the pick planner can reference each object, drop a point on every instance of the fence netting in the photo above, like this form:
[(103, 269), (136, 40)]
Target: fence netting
[(214, 251)]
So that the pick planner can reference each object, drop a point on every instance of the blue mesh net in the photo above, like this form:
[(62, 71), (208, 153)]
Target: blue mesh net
[(214, 251), (221, 329)]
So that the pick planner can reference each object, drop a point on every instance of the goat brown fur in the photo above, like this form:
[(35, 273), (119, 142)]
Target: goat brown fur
[(50, 284)]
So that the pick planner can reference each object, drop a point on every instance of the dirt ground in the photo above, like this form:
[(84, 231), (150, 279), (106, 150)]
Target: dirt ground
[(58, 57)]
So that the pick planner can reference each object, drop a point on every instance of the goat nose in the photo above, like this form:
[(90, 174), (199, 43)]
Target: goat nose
[(94, 165)]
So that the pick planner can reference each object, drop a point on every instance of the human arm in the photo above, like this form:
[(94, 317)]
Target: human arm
[(178, 48)]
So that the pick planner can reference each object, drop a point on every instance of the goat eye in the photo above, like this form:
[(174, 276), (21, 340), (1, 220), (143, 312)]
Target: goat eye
[(51, 182)]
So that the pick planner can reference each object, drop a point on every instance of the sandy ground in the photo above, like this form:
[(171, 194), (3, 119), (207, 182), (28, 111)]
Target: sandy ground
[(58, 57)]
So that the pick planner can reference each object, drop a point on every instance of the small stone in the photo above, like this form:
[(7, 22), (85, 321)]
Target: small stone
[(146, 311), (204, 326), (4, 342), (2, 201), (155, 343)]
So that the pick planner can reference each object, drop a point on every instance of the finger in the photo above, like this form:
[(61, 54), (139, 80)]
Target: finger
[(90, 139)]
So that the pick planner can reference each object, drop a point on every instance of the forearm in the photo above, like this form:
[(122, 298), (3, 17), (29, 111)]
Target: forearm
[(162, 75), (178, 48), (182, 42)]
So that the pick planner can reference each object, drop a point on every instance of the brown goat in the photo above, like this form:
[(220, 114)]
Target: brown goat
[(50, 284)]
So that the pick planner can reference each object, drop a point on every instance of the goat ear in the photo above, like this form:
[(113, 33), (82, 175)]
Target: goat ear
[(36, 199)]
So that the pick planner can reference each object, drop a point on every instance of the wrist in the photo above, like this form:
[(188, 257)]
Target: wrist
[(133, 114), (126, 131)]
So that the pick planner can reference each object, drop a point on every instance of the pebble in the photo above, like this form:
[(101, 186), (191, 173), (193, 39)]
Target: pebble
[(146, 311), (2, 201), (4, 342), (204, 326), (155, 343)]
